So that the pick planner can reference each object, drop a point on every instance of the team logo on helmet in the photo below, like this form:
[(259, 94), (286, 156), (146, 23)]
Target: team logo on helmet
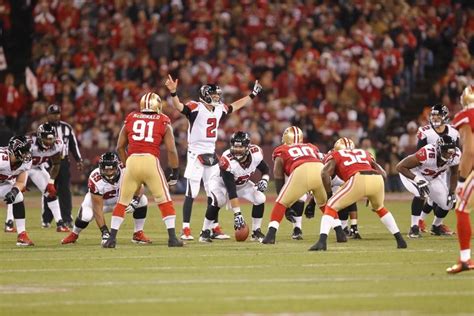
[(439, 115), (20, 147), (292, 135), (150, 102), (46, 135), (210, 94)]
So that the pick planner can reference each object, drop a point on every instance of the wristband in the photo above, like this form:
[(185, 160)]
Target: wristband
[(236, 210), (266, 177), (251, 95), (461, 179), (51, 181), (173, 94)]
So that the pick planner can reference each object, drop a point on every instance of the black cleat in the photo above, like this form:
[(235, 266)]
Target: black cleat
[(270, 237), (111, 242), (401, 243), (297, 234), (319, 246), (354, 232), (174, 242), (414, 232), (340, 235), (346, 231), (205, 236), (257, 235)]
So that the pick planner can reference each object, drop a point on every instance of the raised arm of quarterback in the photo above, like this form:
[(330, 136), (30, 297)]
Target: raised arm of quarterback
[(257, 88), (172, 86)]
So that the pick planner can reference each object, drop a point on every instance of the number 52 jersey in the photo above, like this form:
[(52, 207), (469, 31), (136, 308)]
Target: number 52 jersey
[(350, 161)]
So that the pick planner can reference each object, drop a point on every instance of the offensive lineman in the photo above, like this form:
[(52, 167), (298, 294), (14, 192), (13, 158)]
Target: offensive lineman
[(204, 118), (237, 165), (15, 161), (138, 147), (104, 185)]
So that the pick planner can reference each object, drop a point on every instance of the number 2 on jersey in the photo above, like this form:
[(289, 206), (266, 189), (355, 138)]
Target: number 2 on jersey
[(140, 129), (355, 156), (211, 127)]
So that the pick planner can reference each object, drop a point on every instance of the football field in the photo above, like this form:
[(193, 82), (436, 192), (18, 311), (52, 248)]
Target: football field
[(360, 277)]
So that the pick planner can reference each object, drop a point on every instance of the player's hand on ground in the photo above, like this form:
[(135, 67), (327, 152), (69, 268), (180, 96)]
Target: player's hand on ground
[(171, 84), (262, 185), (238, 221), (257, 88)]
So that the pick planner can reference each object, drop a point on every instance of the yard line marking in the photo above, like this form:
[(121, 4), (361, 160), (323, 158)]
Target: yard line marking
[(307, 265), (304, 297)]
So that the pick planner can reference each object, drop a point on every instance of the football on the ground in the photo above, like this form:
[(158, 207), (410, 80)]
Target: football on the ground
[(242, 233)]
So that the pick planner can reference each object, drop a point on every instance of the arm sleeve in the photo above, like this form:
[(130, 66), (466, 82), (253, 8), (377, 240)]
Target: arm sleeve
[(229, 184), (422, 143), (263, 167), (74, 147)]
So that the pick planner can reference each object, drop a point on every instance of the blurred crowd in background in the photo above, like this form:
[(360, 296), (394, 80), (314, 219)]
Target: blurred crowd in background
[(333, 68)]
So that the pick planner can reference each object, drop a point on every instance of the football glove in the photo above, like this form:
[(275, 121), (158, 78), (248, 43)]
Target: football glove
[(422, 186), (11, 196), (257, 88), (238, 221), (51, 191), (451, 199), (309, 209), (262, 185), (133, 205), (173, 177), (290, 215), (105, 236)]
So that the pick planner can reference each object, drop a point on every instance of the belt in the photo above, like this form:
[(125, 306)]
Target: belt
[(366, 172)]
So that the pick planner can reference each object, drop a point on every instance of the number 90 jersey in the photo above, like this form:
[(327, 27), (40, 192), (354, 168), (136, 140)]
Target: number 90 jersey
[(97, 185), (295, 155), (350, 161), (145, 132), (241, 173), (428, 158)]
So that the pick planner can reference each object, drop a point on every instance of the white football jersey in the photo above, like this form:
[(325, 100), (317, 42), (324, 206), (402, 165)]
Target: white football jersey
[(241, 173), (429, 167), (41, 155), (97, 185), (203, 125), (6, 173), (427, 132)]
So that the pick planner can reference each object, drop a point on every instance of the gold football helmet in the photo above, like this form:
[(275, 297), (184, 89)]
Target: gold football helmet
[(467, 97), (344, 143), (292, 135), (150, 102)]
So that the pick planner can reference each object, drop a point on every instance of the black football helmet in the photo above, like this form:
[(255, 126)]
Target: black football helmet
[(439, 115), (445, 147), (210, 94), (239, 145), (109, 167), (46, 135), (20, 147)]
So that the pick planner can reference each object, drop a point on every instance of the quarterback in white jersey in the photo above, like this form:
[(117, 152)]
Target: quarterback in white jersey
[(237, 165), (104, 185), (15, 161), (204, 118), (423, 175)]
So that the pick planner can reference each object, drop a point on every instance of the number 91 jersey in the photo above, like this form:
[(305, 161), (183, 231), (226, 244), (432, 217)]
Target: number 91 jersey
[(145, 132), (350, 161), (295, 155)]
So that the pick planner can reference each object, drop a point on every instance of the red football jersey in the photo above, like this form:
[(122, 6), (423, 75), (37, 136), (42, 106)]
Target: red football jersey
[(295, 155), (465, 116), (145, 132), (350, 161)]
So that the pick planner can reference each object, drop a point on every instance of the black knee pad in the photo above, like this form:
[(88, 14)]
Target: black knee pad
[(140, 212), (19, 210), (417, 206), (50, 199), (212, 212), (80, 223), (352, 207), (298, 207), (343, 214), (257, 210), (439, 212)]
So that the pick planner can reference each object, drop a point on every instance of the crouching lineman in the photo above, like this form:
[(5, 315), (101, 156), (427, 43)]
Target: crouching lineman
[(423, 174), (237, 165), (362, 177), (104, 185), (15, 161), (300, 162), (138, 147), (46, 147)]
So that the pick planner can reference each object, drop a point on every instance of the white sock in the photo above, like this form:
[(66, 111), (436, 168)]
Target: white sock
[(437, 221), (465, 255), (390, 223), (414, 220), (336, 222), (256, 223), (169, 221), (354, 221), (20, 225), (274, 224), (76, 230), (9, 212), (423, 216), (54, 207), (186, 225), (207, 224), (327, 222), (116, 222), (215, 224), (139, 223), (344, 224), (298, 220)]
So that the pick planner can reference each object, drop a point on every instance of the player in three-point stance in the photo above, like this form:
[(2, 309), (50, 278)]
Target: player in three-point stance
[(138, 147)]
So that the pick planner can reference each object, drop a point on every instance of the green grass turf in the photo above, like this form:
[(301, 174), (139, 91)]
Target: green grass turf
[(360, 277)]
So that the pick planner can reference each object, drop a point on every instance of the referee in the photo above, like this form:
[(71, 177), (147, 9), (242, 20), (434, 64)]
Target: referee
[(63, 180)]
